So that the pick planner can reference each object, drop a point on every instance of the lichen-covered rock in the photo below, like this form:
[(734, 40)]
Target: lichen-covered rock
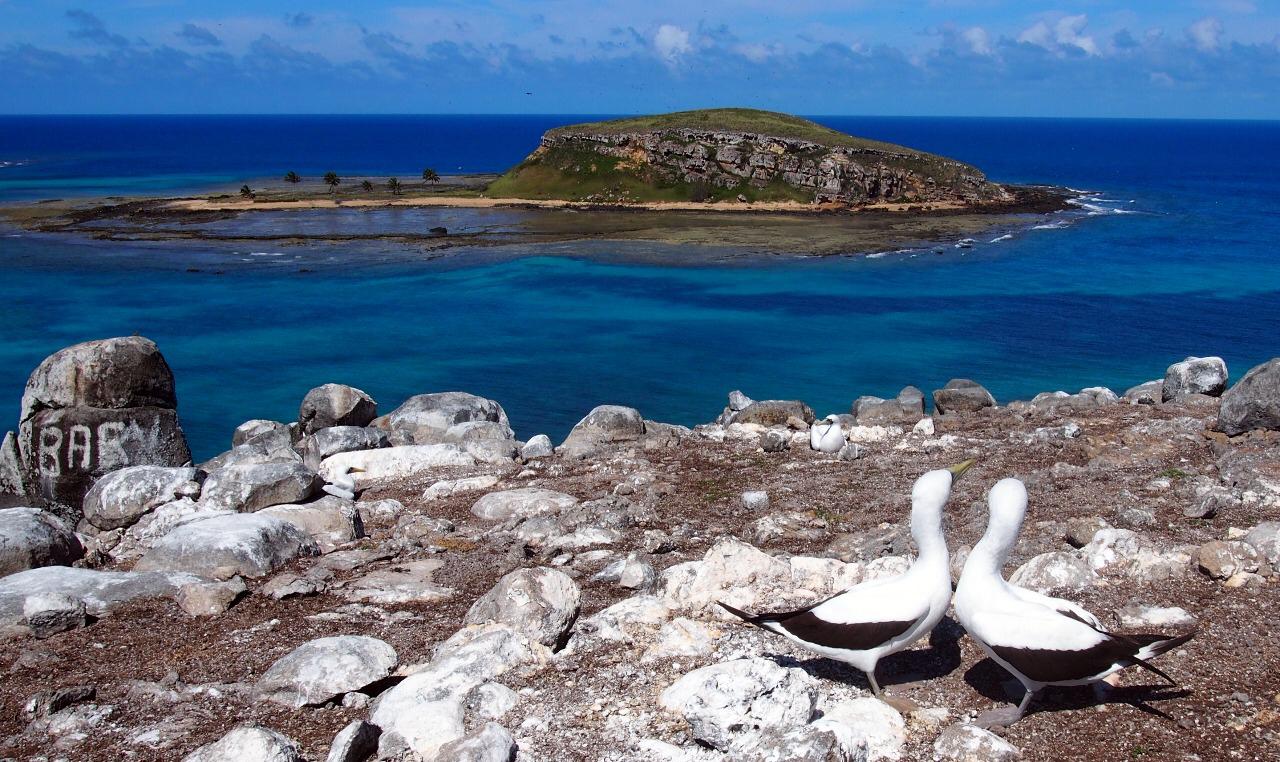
[(1195, 375), (604, 426), (120, 498), (1254, 401), (323, 669), (335, 405), (329, 521), (338, 439), (961, 395), (31, 538), (250, 743), (538, 446), (1146, 393), (225, 545), (541, 602), (906, 409), (730, 705), (771, 413), (249, 488)]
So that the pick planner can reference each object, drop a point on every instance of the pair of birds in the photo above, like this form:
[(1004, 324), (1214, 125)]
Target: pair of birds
[(1040, 640)]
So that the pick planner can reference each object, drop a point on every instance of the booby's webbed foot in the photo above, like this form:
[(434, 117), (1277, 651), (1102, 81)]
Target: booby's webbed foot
[(999, 718)]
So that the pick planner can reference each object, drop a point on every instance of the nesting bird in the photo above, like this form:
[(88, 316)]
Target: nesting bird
[(867, 622), (1039, 639), (827, 435)]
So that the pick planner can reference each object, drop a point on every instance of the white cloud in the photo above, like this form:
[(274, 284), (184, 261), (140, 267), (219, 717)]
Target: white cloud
[(671, 42), (757, 52), (978, 39), (1066, 32), (1206, 34)]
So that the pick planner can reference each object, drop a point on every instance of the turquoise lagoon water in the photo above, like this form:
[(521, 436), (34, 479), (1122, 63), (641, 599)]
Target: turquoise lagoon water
[(1173, 251)]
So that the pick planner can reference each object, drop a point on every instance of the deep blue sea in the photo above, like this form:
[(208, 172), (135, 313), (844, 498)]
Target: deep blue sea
[(1180, 256)]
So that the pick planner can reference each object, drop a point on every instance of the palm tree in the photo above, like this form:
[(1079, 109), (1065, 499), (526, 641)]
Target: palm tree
[(393, 185), (331, 179), (429, 176), (366, 186), (246, 191), (292, 177)]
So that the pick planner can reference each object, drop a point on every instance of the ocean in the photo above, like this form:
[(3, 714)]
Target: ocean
[(1173, 250)]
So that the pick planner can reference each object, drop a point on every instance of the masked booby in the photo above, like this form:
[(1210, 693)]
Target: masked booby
[(1038, 639), (827, 435), (869, 621)]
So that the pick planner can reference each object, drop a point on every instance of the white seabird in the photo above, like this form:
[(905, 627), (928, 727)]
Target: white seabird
[(1039, 639), (867, 622), (827, 435)]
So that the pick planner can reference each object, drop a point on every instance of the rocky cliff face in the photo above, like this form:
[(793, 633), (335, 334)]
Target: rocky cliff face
[(730, 160)]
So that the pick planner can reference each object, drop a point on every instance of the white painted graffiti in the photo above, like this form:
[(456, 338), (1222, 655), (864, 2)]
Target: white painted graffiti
[(80, 448)]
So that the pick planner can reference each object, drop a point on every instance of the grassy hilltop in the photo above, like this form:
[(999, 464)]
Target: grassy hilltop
[(660, 161)]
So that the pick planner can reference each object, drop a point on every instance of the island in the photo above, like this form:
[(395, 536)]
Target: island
[(743, 179)]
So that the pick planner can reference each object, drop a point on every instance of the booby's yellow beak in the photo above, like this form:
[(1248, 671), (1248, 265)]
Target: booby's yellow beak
[(958, 469)]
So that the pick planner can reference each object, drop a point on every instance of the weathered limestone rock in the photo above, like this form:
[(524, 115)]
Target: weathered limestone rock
[(356, 742), (210, 598), (541, 602), (1265, 538), (225, 545), (774, 441), (491, 743), (538, 446), (1054, 571), (424, 419), (604, 426), (12, 480), (523, 502), (730, 705), (771, 413), (321, 670), (879, 725), (961, 395), (31, 538), (1221, 559), (335, 405), (413, 581), (1146, 393), (120, 498), (969, 743), (1254, 401), (256, 428), (250, 743), (251, 488), (338, 439), (1138, 616), (100, 591), (1195, 375), (92, 408), (906, 409), (392, 462), (47, 614), (329, 521)]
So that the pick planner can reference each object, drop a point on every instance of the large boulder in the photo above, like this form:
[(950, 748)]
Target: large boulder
[(329, 521), (31, 538), (770, 413), (256, 486), (605, 425), (258, 427), (93, 408), (393, 462), (730, 705), (13, 481), (904, 410), (335, 405), (424, 418), (1195, 375), (120, 498), (541, 603), (222, 546), (961, 395), (321, 670), (249, 743), (100, 591), (1254, 401)]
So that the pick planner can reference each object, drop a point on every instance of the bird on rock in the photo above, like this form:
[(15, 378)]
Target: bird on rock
[(1039, 639), (827, 435), (867, 622)]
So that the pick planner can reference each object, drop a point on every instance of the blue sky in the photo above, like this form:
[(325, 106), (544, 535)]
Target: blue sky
[(1181, 58)]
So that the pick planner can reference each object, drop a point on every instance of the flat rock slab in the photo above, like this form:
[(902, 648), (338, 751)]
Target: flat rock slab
[(403, 583), (323, 669), (248, 744), (120, 498), (252, 487), (31, 538), (521, 503), (393, 462), (100, 591), (226, 545)]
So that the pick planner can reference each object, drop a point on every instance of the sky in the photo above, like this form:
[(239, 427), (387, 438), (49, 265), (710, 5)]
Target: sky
[(1177, 59)]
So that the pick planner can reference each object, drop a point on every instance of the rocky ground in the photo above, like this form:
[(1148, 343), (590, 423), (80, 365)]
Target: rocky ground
[(562, 603)]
